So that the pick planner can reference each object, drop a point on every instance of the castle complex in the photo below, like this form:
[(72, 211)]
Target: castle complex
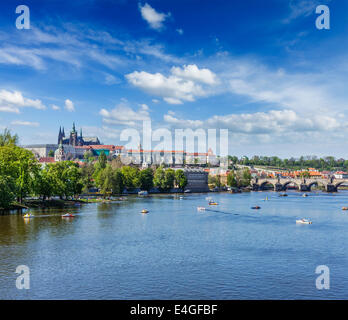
[(76, 140)]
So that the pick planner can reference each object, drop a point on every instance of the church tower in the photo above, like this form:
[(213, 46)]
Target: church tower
[(73, 136), (59, 135), (59, 154)]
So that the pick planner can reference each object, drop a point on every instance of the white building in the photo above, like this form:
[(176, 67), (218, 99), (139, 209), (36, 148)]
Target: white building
[(341, 175), (170, 157), (41, 150)]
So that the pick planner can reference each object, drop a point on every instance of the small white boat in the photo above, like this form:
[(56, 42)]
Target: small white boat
[(68, 215), (303, 221), (143, 193), (200, 208), (305, 195), (28, 216)]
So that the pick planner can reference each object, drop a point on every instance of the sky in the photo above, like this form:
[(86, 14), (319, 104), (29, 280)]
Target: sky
[(261, 69)]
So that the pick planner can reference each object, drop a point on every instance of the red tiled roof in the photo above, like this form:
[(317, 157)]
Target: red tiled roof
[(46, 160), (108, 147), (152, 151)]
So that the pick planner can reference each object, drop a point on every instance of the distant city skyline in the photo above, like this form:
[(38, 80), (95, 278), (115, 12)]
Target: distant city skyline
[(260, 69)]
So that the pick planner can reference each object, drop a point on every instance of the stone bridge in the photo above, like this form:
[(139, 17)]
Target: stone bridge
[(281, 184)]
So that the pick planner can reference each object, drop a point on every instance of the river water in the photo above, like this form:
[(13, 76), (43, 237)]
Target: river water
[(112, 251)]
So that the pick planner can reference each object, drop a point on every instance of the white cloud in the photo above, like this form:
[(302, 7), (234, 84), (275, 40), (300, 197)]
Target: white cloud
[(25, 123), (145, 47), (192, 72), (180, 31), (13, 101), (110, 79), (103, 133), (69, 105), (182, 85), (123, 114), (273, 122), (152, 17), (169, 118), (301, 92), (301, 8), (55, 107)]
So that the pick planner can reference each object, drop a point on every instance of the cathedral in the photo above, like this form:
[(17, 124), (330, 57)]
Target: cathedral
[(75, 139)]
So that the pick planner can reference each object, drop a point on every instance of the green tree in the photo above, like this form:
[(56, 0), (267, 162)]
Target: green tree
[(44, 183), (7, 195), (67, 178), (73, 178), (131, 176), (117, 182), (169, 179), (245, 178), (88, 156), (21, 165), (159, 178), (6, 138), (102, 160), (305, 174), (232, 180), (87, 172), (51, 153), (106, 180), (146, 179), (180, 179)]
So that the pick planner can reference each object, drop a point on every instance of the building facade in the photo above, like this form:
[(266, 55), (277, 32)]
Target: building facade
[(197, 180), (41, 150), (75, 139), (170, 157)]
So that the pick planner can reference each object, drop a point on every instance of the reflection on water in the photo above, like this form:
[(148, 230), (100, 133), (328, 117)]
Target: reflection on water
[(229, 251)]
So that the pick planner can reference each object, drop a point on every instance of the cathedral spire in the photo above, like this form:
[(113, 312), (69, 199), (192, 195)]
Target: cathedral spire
[(81, 133), (60, 135)]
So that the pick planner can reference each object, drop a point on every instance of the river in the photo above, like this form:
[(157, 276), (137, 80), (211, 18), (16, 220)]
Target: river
[(112, 251)]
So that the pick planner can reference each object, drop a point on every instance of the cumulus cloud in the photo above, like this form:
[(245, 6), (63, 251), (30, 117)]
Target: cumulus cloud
[(55, 107), (152, 17), (123, 114), (292, 91), (69, 105), (277, 122), (184, 84), (13, 101), (192, 72)]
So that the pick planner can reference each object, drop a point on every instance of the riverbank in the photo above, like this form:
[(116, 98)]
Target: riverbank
[(41, 204)]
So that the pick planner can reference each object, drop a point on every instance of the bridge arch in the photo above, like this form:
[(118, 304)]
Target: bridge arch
[(287, 183), (264, 183), (340, 183), (314, 183)]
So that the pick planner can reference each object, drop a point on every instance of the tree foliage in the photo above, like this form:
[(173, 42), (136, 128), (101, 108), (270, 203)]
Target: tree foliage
[(146, 179), (180, 179), (6, 138)]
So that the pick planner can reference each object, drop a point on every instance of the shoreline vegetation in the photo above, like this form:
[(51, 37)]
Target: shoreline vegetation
[(70, 203), (25, 183)]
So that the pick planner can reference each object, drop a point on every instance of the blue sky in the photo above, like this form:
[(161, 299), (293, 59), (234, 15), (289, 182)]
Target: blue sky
[(258, 68)]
